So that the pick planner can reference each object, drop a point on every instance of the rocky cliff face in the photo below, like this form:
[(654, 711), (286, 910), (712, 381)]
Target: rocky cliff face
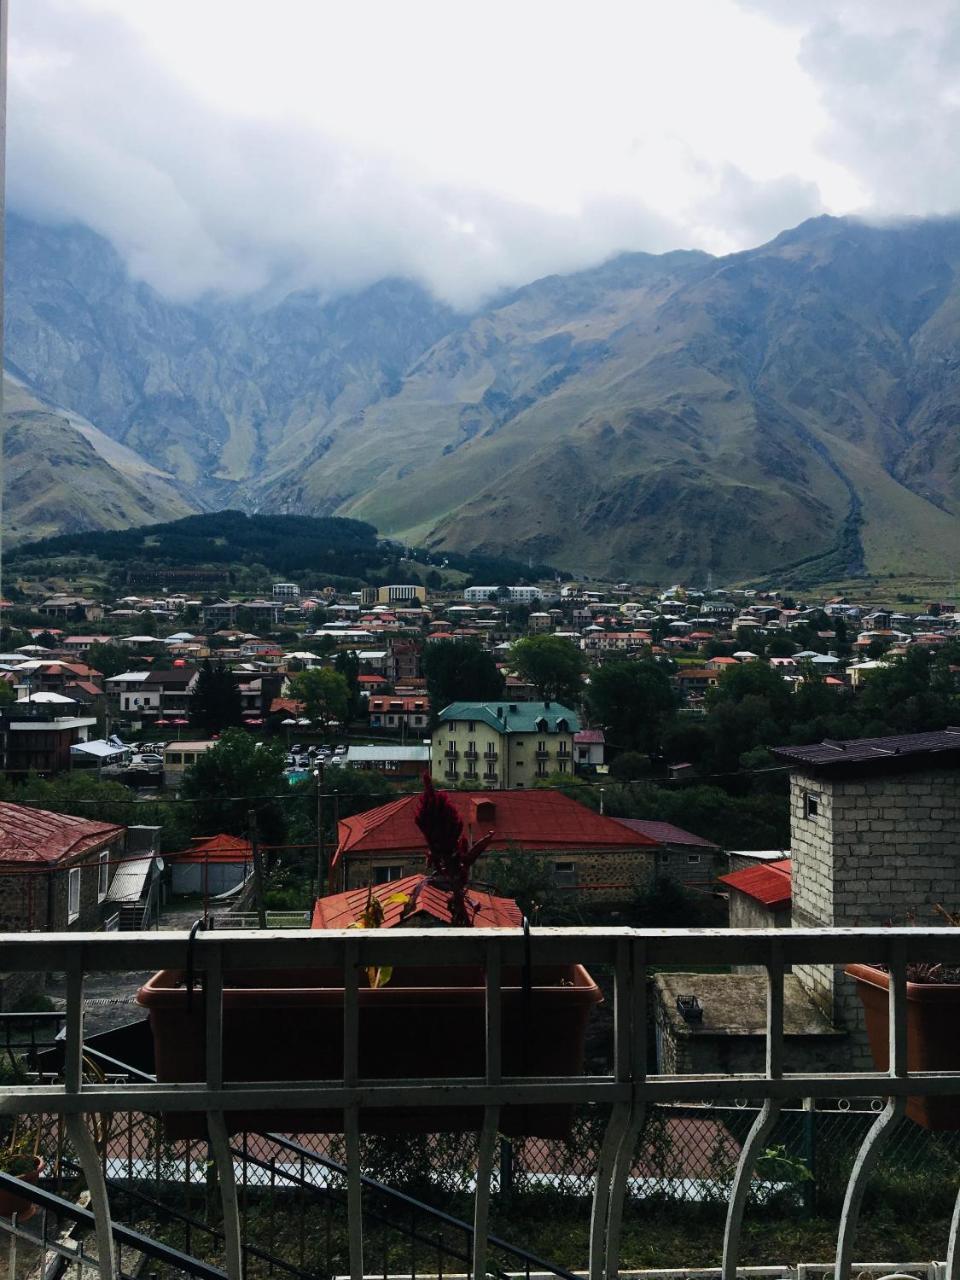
[(655, 416)]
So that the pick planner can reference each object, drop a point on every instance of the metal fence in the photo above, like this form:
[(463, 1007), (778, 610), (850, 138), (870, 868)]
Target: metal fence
[(735, 1158)]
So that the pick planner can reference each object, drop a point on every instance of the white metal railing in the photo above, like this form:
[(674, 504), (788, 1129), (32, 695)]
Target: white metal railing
[(629, 954)]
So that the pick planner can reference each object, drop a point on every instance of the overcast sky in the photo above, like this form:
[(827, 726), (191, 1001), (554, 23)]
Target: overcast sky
[(233, 145)]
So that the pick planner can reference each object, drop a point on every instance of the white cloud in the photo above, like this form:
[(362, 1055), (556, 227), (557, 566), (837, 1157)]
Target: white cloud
[(887, 72), (231, 146)]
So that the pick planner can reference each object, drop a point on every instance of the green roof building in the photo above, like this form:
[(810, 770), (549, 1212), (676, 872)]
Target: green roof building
[(502, 744)]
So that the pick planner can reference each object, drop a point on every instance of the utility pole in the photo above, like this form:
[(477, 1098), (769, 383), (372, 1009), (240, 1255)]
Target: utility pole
[(257, 871), (321, 854)]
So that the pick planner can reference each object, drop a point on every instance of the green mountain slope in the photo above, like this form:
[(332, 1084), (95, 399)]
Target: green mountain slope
[(657, 416), (682, 415), (61, 474)]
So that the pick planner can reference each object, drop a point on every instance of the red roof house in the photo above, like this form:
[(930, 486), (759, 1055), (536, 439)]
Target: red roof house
[(767, 884), (341, 910), (593, 852), (56, 869)]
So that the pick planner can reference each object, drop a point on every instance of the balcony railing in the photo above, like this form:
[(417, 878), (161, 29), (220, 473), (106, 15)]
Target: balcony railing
[(629, 1088)]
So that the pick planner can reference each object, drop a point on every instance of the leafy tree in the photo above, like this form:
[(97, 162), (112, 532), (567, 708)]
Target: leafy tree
[(348, 664), (664, 904), (111, 658), (553, 665), (83, 795), (459, 671), (629, 765), (634, 701), (45, 640), (215, 704), (528, 879), (7, 694), (233, 778), (324, 692), (346, 792)]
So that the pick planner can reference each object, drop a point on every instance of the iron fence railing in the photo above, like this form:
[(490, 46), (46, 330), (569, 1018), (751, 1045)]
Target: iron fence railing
[(627, 1096)]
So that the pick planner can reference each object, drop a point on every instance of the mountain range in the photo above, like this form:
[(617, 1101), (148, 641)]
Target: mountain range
[(794, 406)]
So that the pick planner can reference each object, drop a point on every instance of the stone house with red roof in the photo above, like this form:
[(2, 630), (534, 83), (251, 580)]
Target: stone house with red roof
[(591, 856), (682, 856), (55, 874)]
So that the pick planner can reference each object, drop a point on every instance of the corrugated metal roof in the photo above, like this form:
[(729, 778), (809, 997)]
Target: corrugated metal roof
[(769, 883), (36, 835), (341, 910), (518, 819), (666, 833), (221, 848), (870, 750), (129, 879)]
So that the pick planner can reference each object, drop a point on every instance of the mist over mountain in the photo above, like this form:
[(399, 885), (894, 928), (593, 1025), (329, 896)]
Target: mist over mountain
[(656, 416)]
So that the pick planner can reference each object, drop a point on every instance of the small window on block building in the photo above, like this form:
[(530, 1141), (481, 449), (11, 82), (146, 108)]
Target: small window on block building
[(811, 804), (383, 875), (565, 873)]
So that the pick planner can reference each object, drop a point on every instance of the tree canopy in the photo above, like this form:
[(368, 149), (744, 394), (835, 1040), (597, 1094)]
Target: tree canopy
[(634, 701), (324, 692), (215, 704), (231, 779), (553, 665), (459, 671)]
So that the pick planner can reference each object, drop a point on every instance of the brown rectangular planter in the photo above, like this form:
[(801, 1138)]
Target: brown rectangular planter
[(933, 1036), (424, 1024)]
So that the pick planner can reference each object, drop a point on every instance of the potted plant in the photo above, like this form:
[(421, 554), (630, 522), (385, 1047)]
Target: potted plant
[(933, 1027), (416, 1022), (21, 1158)]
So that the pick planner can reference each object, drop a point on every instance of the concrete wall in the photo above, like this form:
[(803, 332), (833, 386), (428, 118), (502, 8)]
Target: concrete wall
[(878, 849)]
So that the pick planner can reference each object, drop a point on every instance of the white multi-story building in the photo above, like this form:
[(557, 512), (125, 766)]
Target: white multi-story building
[(518, 595), (286, 591)]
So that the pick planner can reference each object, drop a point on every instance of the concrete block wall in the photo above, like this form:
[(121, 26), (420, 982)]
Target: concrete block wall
[(879, 849)]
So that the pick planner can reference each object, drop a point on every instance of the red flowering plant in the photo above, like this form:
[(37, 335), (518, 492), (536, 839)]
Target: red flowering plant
[(449, 854)]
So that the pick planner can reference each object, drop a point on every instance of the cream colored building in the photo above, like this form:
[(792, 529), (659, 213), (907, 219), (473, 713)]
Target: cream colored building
[(501, 745)]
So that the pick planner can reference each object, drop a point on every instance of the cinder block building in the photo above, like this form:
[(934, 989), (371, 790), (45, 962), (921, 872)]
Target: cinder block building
[(875, 837)]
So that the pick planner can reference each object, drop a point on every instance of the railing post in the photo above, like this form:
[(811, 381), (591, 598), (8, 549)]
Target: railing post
[(486, 1148), (621, 1113), (77, 1130), (351, 1113), (766, 1117), (216, 1122), (632, 1065), (888, 1119)]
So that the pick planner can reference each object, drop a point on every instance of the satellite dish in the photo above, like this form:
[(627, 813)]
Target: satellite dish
[(159, 864)]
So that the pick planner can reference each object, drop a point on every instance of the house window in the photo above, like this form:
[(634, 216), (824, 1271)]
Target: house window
[(693, 857), (73, 894), (565, 873), (471, 726), (811, 804), (561, 766), (103, 875), (383, 875)]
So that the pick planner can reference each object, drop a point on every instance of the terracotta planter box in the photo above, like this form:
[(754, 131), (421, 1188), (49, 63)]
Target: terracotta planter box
[(11, 1203), (423, 1024), (933, 1036)]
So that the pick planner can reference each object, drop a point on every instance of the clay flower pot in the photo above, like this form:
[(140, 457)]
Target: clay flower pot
[(10, 1202), (933, 1036), (424, 1024)]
